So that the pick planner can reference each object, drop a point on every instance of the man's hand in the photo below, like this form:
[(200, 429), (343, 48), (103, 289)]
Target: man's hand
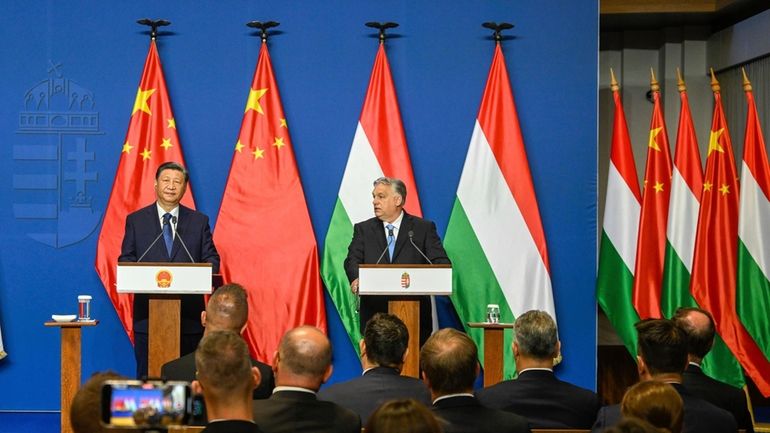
[(354, 286)]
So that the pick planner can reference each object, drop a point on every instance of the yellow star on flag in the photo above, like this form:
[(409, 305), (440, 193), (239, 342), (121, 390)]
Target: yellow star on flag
[(238, 146), (140, 103), (658, 186), (283, 123), (253, 102), (707, 186), (127, 147), (724, 189), (166, 143), (654, 133), (258, 153), (171, 123), (279, 142), (714, 142), (146, 154)]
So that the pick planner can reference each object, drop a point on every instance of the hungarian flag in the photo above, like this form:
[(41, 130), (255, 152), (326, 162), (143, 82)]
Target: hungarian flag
[(379, 149), (150, 141), (714, 273), (617, 251), (263, 232), (753, 290), (496, 209), (651, 245), (686, 187)]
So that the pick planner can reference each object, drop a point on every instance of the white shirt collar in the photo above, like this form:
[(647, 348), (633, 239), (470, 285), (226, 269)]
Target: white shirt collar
[(292, 388), (461, 394), (396, 224), (174, 213), (537, 369)]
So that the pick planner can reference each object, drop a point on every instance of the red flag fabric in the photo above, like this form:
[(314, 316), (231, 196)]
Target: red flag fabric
[(150, 141), (263, 231), (651, 244), (713, 283)]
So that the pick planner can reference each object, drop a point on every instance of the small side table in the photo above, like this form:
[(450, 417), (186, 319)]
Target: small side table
[(493, 350), (70, 365)]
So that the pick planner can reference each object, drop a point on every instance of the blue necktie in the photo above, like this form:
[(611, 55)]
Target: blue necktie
[(168, 235), (391, 241)]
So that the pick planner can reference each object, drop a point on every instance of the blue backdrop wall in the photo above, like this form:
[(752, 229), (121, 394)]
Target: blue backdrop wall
[(56, 182)]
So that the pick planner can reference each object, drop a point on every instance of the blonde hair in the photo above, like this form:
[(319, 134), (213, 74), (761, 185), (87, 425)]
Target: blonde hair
[(655, 402)]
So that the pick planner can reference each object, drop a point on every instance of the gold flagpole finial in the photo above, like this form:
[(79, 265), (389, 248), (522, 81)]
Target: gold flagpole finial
[(714, 82), (679, 81), (654, 85), (614, 86), (746, 82)]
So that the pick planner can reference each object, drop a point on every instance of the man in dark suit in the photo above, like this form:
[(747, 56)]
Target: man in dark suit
[(180, 235), (449, 362), (699, 327), (662, 356), (536, 393), (303, 362), (227, 380), (227, 310), (392, 236), (383, 353)]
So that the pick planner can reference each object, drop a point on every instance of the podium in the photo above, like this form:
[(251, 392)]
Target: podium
[(164, 283), (493, 350), (405, 283)]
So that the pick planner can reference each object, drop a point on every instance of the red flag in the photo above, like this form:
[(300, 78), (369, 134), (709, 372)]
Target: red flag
[(651, 244), (263, 231), (150, 141), (713, 281)]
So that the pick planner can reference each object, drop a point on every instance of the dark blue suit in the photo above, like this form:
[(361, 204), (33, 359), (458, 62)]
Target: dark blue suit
[(142, 227)]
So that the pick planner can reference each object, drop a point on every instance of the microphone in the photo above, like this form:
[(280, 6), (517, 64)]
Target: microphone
[(153, 243), (411, 241), (392, 238), (176, 233)]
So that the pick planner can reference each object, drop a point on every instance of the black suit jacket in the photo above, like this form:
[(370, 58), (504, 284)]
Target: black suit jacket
[(142, 227), (544, 400), (719, 394), (464, 414), (369, 241), (184, 369), (699, 415), (297, 411), (364, 394), (232, 426)]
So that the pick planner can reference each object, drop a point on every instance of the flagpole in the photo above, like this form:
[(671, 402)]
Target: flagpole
[(153, 25), (263, 27), (381, 27), (497, 28)]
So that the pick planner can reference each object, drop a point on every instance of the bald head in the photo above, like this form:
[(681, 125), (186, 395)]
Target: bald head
[(699, 327), (304, 358), (227, 310)]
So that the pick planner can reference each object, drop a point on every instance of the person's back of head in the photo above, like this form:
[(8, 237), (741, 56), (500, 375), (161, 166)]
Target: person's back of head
[(402, 416), (655, 402), (449, 361), (698, 325), (224, 371), (662, 347), (633, 425), (304, 358), (536, 337), (85, 412), (385, 340), (227, 310)]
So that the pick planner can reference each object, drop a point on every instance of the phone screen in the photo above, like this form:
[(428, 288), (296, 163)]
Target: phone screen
[(133, 403)]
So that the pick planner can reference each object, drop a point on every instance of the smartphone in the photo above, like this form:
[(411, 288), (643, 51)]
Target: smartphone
[(144, 404)]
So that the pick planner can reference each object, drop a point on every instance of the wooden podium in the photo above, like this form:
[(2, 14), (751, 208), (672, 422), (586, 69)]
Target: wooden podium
[(164, 283), (405, 282), (493, 350)]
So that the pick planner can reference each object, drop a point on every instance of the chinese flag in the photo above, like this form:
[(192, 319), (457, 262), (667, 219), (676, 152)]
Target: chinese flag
[(263, 232), (150, 141), (713, 282)]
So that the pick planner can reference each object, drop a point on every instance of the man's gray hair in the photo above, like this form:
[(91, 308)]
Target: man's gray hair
[(535, 333), (397, 184)]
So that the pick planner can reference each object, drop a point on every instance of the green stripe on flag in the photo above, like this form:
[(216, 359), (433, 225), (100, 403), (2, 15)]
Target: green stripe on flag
[(333, 271), (753, 298), (614, 284), (475, 284)]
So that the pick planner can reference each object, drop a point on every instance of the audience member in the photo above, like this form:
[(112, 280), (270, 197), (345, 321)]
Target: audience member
[(227, 310), (226, 379), (699, 327), (633, 425), (383, 353), (85, 412), (537, 394), (301, 365), (449, 362), (655, 402), (662, 356), (402, 416)]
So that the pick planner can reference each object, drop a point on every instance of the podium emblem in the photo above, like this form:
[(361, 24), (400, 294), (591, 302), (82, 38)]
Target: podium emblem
[(405, 280), (164, 278)]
